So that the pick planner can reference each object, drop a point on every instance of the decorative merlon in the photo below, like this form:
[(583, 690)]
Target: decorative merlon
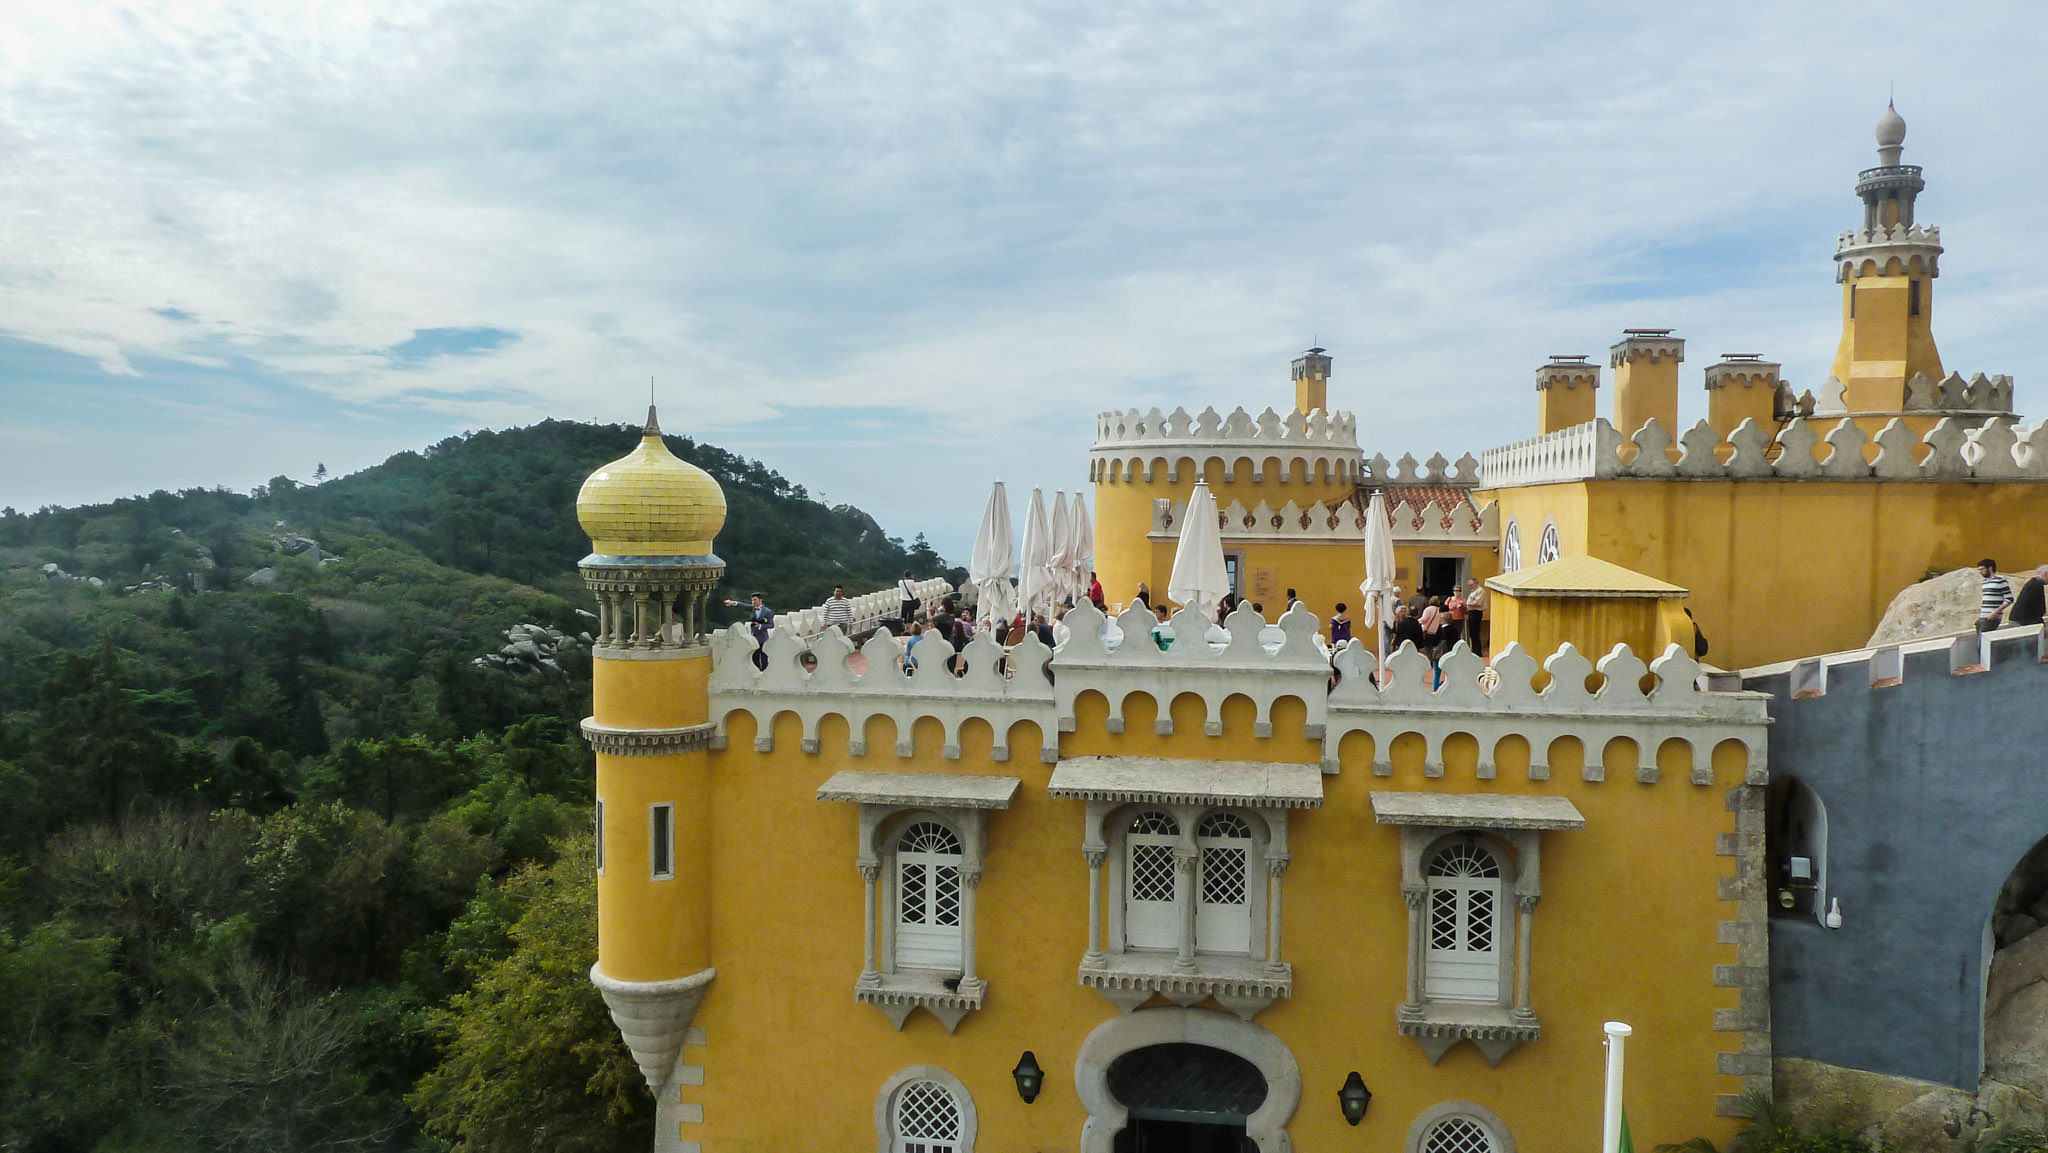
[(1648, 344), (1998, 449), (646, 742), (653, 1017), (1112, 429), (1570, 371), (1744, 370), (1884, 666)]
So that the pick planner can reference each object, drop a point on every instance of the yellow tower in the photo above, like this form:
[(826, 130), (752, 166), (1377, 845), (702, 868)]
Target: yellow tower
[(1565, 391), (1886, 269), (1645, 363), (1312, 381), (1742, 386), (651, 519)]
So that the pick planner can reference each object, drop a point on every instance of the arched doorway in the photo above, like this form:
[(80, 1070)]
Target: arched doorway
[(1183, 1098), (1197, 1080), (2016, 976)]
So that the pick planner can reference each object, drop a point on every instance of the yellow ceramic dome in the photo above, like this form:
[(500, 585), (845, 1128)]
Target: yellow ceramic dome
[(649, 503)]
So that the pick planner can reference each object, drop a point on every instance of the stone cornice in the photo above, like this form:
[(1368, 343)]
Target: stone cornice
[(646, 742)]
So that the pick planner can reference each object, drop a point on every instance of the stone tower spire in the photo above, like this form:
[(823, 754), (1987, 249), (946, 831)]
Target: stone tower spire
[(1886, 269)]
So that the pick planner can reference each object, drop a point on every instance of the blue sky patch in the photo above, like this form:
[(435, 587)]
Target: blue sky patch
[(428, 343)]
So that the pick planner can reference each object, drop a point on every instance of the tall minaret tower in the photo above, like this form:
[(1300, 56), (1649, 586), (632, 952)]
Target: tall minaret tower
[(651, 520), (1886, 269)]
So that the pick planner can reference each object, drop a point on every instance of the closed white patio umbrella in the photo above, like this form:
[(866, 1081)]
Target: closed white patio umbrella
[(1082, 551), (995, 554), (1058, 534), (1377, 609), (1199, 578), (1034, 572)]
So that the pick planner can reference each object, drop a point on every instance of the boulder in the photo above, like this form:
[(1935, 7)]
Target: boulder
[(2018, 928), (2023, 963), (261, 578), (1945, 604), (1934, 1121), (2016, 1014)]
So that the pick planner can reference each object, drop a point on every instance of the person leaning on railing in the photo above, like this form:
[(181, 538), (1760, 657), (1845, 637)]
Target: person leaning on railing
[(838, 610)]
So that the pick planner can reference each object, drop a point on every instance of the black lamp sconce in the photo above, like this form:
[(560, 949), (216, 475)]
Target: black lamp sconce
[(1353, 1097), (1030, 1078)]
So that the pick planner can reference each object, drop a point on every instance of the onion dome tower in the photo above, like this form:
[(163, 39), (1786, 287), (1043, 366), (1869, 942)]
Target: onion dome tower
[(652, 519), (1887, 269)]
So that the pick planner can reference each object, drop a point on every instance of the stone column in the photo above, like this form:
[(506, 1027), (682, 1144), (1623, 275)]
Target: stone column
[(1276, 868), (970, 880), (1095, 957), (1417, 943), (869, 975), (1525, 922), (1184, 901)]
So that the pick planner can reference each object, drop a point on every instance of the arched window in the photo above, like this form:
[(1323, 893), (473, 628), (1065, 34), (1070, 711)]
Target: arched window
[(1459, 1127), (1465, 892), (1796, 843), (925, 1109), (927, 1119), (1548, 549), (1511, 548), (1223, 921), (1151, 920), (928, 897), (1457, 1135)]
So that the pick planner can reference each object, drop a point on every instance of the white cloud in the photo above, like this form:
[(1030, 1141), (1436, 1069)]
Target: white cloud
[(979, 211)]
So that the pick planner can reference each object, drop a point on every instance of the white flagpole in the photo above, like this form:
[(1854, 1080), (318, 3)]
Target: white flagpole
[(1610, 1130)]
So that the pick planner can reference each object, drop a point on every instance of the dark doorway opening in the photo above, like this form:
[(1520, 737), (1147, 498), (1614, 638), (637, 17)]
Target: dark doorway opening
[(1186, 1099), (1440, 575)]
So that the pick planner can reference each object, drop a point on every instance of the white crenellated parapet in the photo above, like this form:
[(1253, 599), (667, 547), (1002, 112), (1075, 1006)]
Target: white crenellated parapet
[(1131, 445), (1492, 703), (1980, 395), (1983, 447), (1432, 523), (869, 609), (1238, 666), (815, 679), (1864, 251)]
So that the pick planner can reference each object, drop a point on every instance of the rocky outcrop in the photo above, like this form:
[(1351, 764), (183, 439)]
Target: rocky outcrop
[(1944, 604), (1899, 1114), (531, 649), (52, 572)]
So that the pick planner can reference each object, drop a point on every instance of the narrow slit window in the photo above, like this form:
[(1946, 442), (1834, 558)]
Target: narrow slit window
[(1912, 298), (600, 838), (661, 826), (1852, 302)]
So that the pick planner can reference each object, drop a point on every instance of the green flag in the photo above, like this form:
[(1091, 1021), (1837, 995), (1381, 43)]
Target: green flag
[(1626, 1145)]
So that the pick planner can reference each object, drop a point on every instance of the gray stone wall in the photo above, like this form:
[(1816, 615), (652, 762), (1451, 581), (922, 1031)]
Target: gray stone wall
[(1935, 787)]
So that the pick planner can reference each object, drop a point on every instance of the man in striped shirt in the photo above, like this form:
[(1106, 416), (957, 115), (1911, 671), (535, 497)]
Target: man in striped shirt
[(1996, 597), (839, 610)]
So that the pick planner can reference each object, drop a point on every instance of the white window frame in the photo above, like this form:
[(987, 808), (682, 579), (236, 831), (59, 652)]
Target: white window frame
[(904, 954), (1511, 547), (887, 1139), (1187, 853), (1426, 1123), (1150, 928), (1460, 972), (1224, 927), (1498, 1023), (661, 841), (1551, 542), (899, 990)]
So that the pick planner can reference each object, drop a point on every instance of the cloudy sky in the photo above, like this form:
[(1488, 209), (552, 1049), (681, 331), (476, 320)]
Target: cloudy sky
[(898, 250)]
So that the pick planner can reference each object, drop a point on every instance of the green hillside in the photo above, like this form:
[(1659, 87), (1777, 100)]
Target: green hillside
[(288, 861)]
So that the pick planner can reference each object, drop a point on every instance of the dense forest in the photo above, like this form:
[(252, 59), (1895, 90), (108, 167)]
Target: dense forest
[(296, 851)]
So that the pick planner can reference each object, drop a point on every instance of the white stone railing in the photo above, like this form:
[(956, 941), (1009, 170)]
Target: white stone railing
[(1134, 428), (869, 609), (1882, 666), (1428, 524), (1999, 450), (1573, 453)]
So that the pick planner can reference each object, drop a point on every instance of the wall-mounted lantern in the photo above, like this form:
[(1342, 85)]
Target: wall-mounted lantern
[(1030, 1078), (1354, 1097)]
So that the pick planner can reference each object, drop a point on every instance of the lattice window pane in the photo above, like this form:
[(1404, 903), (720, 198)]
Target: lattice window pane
[(1223, 825), (1457, 1135), (929, 837), (1155, 822), (1223, 876), (926, 1109), (1463, 859), (913, 894), (946, 896), (1443, 919), (1151, 873), (1479, 921)]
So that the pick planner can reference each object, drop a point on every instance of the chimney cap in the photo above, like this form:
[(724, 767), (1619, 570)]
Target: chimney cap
[(1742, 356), (1647, 331), (1570, 358)]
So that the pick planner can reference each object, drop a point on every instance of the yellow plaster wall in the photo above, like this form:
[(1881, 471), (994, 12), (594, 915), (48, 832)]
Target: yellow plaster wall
[(1626, 930), (1593, 625), (1883, 346), (1783, 569), (1564, 405), (1746, 397), (1646, 389)]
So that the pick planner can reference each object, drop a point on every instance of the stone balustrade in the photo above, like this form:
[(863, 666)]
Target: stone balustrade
[(869, 609), (1431, 523), (1567, 454)]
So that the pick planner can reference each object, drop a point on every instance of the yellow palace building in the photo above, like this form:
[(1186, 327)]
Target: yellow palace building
[(1240, 895)]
